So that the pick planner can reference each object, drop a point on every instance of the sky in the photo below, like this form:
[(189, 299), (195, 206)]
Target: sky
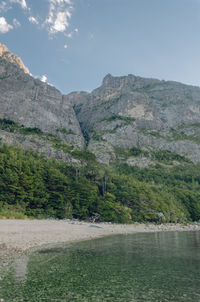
[(73, 44)]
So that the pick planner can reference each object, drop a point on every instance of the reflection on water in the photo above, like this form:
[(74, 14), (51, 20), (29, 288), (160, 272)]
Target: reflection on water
[(157, 267)]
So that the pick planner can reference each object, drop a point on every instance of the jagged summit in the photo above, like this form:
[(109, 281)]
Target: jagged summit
[(7, 55), (125, 112), (31, 104)]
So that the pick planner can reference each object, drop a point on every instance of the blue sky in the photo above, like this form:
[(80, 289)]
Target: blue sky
[(73, 44)]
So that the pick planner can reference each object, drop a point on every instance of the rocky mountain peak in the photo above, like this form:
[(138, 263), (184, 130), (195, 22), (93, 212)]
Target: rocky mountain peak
[(40, 119), (107, 79), (125, 112), (5, 54), (122, 84)]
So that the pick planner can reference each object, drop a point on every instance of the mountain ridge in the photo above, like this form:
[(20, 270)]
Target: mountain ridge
[(128, 151), (32, 104), (133, 106), (123, 113)]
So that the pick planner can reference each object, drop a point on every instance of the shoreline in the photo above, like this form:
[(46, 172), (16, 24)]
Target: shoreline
[(20, 236)]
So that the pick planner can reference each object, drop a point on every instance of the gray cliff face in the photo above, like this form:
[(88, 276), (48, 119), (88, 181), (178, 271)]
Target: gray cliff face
[(125, 113), (33, 104), (148, 114)]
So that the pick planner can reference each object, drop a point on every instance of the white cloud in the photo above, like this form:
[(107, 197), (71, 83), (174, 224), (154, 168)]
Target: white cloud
[(4, 26), (59, 15), (57, 19), (61, 22), (70, 35), (65, 46), (22, 3), (33, 20), (44, 78), (4, 7), (16, 23)]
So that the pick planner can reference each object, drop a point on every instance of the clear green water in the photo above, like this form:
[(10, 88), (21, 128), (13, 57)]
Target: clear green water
[(155, 267)]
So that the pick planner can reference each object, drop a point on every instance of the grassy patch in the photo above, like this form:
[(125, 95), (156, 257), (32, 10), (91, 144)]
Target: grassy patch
[(64, 131), (162, 156), (182, 136), (4, 77), (11, 212), (168, 156), (85, 155), (11, 126), (134, 151), (125, 119)]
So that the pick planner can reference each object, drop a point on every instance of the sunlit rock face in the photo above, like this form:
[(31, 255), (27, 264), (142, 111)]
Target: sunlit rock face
[(8, 56), (33, 104)]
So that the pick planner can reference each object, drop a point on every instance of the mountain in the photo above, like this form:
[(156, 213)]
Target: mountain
[(33, 114), (146, 114), (127, 151), (124, 113)]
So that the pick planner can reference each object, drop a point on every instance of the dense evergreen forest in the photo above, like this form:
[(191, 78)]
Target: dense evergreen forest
[(33, 186)]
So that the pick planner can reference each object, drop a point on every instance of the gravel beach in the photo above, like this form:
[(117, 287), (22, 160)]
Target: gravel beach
[(18, 236)]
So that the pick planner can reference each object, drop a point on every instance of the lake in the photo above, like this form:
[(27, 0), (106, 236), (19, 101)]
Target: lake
[(159, 267)]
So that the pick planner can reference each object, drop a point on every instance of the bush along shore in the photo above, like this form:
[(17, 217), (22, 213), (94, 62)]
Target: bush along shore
[(32, 186)]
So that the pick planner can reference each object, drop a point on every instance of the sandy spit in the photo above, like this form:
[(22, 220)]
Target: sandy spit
[(18, 236)]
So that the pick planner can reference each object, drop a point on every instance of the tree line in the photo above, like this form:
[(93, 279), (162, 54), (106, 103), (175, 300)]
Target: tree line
[(33, 186)]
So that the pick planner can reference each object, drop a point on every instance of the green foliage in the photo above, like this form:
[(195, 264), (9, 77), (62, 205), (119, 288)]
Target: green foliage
[(4, 77), (85, 155), (29, 131), (96, 137), (58, 143), (11, 126), (11, 212), (8, 125), (113, 211), (121, 118), (135, 151), (181, 183), (165, 155), (162, 156), (32, 186), (64, 131), (178, 134)]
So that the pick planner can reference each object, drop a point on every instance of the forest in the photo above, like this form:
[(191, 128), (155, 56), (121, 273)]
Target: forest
[(32, 186)]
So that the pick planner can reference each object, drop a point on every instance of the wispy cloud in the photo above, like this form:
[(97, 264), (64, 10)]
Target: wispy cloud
[(4, 6), (22, 3), (4, 26), (56, 21), (33, 20), (8, 4), (70, 35), (16, 23), (60, 12)]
